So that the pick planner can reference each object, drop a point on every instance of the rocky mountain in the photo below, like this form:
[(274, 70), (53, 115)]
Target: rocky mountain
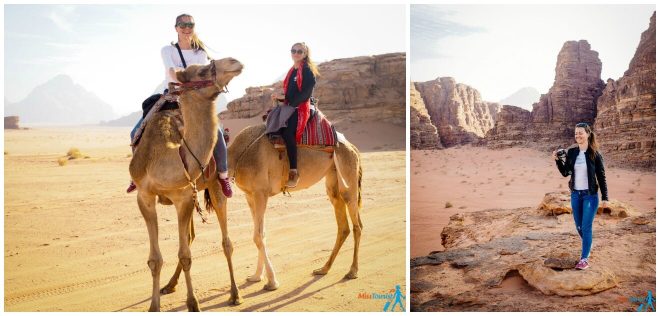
[(364, 88), (60, 101), (523, 98), (126, 120), (571, 99), (423, 134), (11, 122), (625, 124), (457, 110), (523, 260)]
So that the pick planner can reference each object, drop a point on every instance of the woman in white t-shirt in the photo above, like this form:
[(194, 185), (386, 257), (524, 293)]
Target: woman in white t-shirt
[(194, 53), (586, 166)]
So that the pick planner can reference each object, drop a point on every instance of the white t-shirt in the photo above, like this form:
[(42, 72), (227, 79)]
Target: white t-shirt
[(171, 59), (581, 180)]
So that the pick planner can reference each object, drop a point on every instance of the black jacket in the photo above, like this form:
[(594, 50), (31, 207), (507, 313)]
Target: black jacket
[(295, 97), (595, 171)]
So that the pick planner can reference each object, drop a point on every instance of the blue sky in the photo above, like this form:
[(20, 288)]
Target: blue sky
[(114, 50), (499, 49)]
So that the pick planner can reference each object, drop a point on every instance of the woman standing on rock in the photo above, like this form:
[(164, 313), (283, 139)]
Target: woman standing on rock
[(189, 50), (587, 170), (290, 118)]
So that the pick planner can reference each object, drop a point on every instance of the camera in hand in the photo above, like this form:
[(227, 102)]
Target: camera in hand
[(561, 153)]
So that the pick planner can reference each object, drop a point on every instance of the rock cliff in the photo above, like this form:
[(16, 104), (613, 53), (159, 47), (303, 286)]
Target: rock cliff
[(423, 134)]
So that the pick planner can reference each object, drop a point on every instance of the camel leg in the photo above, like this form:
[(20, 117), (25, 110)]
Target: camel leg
[(171, 285), (343, 230), (353, 211), (258, 274), (184, 214), (220, 205), (147, 205), (260, 201)]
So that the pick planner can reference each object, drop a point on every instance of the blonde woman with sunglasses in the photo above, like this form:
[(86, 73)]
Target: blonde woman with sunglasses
[(193, 51)]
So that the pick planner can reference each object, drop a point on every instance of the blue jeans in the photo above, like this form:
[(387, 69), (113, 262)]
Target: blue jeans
[(219, 151), (584, 207)]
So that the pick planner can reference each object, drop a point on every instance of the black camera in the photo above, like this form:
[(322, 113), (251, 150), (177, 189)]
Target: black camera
[(561, 153)]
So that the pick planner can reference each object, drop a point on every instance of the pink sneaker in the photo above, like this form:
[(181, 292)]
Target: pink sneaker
[(226, 187), (582, 264), (131, 187)]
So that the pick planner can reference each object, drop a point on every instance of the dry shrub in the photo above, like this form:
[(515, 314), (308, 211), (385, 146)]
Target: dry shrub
[(448, 205), (62, 161)]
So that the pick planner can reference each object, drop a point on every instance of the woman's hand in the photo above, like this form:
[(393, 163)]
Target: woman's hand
[(277, 96), (554, 154), (604, 204)]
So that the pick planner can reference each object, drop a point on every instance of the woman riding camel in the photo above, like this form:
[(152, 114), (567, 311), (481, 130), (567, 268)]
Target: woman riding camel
[(586, 167), (289, 118), (189, 50)]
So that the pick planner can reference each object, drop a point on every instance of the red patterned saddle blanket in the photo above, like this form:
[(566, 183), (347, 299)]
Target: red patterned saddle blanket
[(318, 133)]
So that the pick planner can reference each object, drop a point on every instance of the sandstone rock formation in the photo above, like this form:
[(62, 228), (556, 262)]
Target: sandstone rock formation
[(625, 123), (361, 88), (423, 134), (11, 122), (457, 110), (571, 99), (519, 260)]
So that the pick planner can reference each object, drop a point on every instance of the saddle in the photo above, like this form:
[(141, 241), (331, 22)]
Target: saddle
[(319, 134)]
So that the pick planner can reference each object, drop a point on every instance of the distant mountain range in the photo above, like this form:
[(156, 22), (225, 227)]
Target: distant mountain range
[(523, 98), (60, 101)]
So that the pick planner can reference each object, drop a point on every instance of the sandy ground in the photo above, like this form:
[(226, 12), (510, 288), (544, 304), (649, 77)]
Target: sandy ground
[(74, 241), (466, 179)]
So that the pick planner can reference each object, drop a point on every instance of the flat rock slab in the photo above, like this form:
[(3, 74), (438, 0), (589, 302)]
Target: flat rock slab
[(568, 282)]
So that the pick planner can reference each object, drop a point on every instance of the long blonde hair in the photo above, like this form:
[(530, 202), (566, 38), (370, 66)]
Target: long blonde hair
[(195, 42), (308, 59)]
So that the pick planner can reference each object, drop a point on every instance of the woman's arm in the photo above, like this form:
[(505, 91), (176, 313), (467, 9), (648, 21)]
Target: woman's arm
[(561, 165), (309, 81), (168, 62), (600, 175)]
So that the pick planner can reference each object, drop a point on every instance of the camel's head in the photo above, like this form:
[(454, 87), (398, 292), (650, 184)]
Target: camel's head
[(225, 69)]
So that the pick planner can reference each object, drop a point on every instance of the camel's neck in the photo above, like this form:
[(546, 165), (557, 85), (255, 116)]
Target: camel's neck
[(200, 128)]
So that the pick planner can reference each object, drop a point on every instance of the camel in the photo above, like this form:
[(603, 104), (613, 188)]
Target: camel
[(261, 172), (158, 172)]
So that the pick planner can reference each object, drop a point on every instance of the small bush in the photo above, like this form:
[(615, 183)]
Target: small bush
[(448, 205), (631, 191), (62, 161)]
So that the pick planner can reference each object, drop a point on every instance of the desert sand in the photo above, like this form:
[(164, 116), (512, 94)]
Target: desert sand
[(75, 241), (467, 179)]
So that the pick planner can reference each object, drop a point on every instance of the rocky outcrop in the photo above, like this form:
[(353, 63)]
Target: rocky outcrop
[(363, 88), (520, 260), (571, 99), (625, 124), (11, 122), (423, 135), (457, 110), (557, 203)]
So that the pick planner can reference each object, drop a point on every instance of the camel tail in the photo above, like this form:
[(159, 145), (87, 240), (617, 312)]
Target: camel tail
[(360, 195), (207, 201)]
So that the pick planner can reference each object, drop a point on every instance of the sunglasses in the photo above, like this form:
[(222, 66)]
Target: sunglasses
[(581, 125), (184, 25), (297, 51)]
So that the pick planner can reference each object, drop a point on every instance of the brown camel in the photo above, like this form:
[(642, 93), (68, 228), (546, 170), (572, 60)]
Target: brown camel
[(158, 172), (261, 173)]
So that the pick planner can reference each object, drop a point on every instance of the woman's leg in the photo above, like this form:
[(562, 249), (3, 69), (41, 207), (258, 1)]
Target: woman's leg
[(136, 128), (289, 135), (589, 208), (220, 155), (131, 186), (576, 205)]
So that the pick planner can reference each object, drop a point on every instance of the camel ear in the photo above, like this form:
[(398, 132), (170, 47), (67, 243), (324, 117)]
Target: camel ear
[(182, 76)]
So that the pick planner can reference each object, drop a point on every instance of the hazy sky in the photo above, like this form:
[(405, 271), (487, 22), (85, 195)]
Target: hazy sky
[(499, 49), (114, 50)]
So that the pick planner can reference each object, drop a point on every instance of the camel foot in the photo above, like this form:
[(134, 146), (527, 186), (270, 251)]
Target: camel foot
[(321, 271), (167, 289), (271, 286), (235, 300), (351, 275), (193, 304), (254, 278), (154, 308)]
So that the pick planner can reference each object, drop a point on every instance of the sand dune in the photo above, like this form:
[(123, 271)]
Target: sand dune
[(74, 241)]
